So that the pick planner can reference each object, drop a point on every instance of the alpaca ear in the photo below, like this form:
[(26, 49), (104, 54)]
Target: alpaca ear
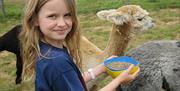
[(104, 13), (119, 18)]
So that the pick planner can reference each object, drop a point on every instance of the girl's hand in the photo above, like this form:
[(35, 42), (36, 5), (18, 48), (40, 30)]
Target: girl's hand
[(125, 77)]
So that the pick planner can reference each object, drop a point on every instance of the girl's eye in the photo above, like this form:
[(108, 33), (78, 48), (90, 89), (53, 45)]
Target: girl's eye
[(52, 16), (67, 15)]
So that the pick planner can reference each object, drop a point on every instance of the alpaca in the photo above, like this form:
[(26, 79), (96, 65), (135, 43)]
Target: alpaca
[(10, 42), (126, 20), (160, 70)]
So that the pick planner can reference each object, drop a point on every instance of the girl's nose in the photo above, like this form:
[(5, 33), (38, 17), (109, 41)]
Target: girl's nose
[(61, 22)]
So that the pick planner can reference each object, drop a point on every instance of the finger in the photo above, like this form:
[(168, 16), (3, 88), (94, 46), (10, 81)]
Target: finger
[(136, 73), (130, 68), (113, 56)]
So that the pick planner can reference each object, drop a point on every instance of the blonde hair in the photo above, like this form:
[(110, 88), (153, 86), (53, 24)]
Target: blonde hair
[(31, 35)]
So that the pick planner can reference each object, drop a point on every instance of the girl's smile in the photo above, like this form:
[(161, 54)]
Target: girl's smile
[(60, 32)]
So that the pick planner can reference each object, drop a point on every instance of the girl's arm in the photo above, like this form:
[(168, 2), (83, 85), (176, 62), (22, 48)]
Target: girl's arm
[(96, 71)]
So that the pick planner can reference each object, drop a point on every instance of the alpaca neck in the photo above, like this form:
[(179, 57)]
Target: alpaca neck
[(119, 38)]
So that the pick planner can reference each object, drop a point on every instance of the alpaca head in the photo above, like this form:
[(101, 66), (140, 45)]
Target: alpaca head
[(130, 14)]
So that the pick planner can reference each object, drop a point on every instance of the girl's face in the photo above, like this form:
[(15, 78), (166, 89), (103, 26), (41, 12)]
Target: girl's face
[(55, 21)]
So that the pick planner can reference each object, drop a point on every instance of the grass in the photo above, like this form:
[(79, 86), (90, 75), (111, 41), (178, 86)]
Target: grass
[(165, 12), (13, 16)]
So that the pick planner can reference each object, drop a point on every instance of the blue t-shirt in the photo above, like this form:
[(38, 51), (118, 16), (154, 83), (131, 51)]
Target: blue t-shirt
[(55, 71)]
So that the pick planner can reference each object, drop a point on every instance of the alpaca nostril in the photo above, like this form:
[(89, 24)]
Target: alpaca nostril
[(176, 69), (178, 44), (165, 84), (153, 21)]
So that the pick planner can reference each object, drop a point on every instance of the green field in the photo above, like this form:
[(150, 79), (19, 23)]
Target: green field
[(166, 13)]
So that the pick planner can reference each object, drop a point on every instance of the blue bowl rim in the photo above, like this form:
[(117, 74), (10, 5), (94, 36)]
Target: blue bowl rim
[(120, 59)]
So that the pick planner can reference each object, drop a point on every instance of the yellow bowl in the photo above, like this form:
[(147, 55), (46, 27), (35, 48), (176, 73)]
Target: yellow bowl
[(115, 72)]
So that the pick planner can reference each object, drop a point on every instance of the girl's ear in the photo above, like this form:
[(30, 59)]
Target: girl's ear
[(119, 18), (36, 23), (104, 13)]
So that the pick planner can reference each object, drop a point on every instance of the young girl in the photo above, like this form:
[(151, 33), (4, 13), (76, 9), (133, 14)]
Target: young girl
[(50, 48)]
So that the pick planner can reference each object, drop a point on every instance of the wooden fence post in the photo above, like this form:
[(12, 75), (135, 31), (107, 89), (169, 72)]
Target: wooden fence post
[(126, 2), (2, 7)]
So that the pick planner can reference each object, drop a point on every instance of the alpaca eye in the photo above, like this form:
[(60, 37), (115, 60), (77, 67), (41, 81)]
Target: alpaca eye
[(140, 19)]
